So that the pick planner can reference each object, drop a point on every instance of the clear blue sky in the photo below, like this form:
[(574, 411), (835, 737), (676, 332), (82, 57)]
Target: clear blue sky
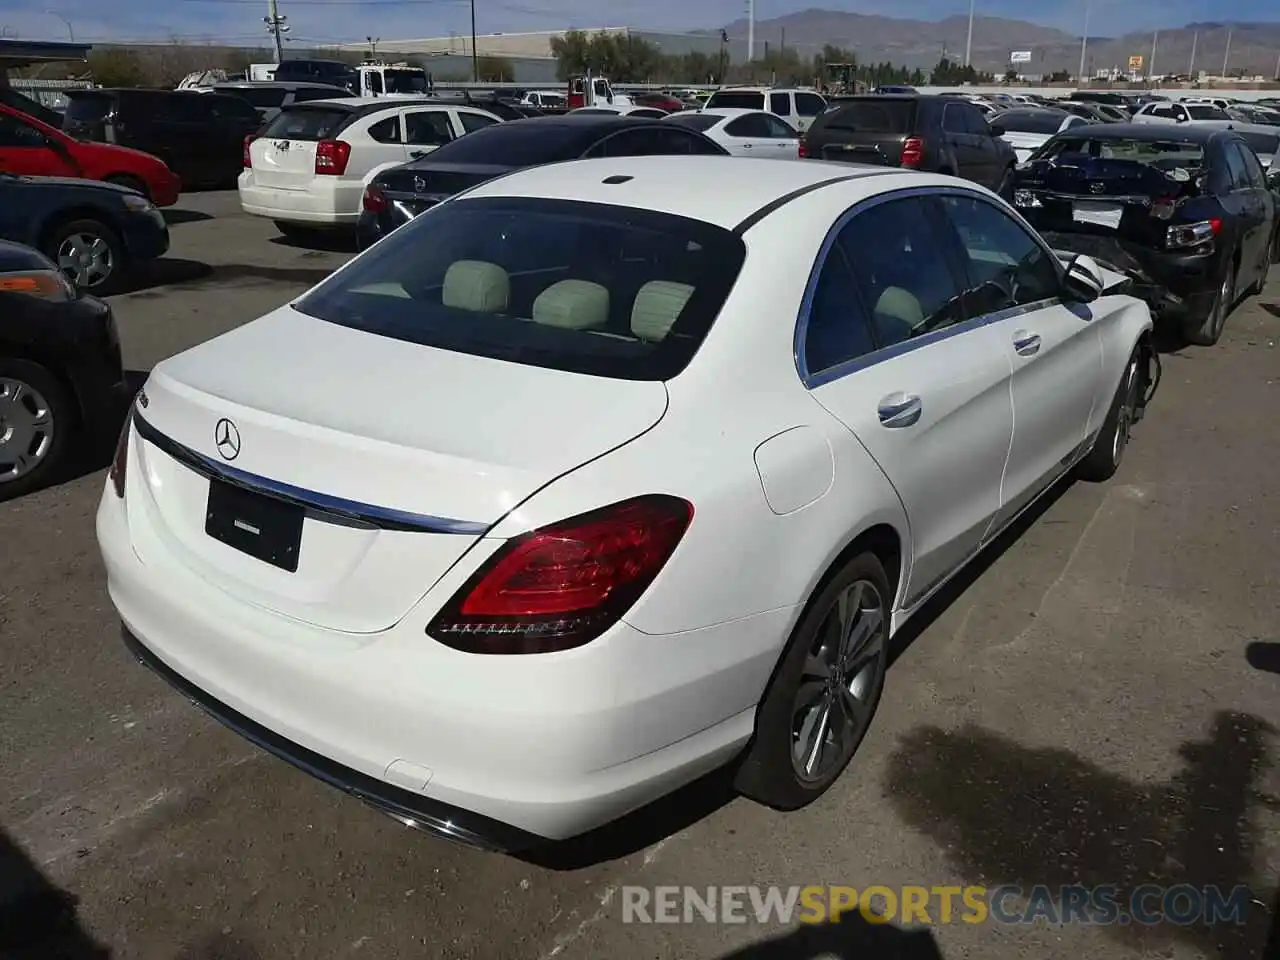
[(316, 21)]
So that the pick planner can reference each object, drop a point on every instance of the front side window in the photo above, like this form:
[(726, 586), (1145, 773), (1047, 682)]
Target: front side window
[(953, 118), (589, 288), (903, 269), (809, 104), (1005, 267), (15, 133)]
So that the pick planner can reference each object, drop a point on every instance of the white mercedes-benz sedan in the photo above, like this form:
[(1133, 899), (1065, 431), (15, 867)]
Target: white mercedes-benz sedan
[(606, 474)]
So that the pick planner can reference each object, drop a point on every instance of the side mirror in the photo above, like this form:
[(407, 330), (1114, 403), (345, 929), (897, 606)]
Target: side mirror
[(1180, 118), (997, 129), (1083, 281)]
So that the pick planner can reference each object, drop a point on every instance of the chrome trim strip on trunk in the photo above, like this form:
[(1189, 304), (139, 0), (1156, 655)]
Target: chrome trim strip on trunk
[(320, 506)]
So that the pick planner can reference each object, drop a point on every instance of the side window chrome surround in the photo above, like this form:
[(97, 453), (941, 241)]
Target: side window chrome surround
[(839, 371)]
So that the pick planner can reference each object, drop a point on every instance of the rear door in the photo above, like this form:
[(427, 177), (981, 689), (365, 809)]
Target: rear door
[(186, 124), (931, 401), (1249, 188), (284, 156), (749, 135), (964, 144), (780, 105), (864, 130), (427, 129), (26, 151), (992, 165)]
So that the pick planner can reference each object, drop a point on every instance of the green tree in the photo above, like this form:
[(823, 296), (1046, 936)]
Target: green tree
[(117, 67), (571, 52)]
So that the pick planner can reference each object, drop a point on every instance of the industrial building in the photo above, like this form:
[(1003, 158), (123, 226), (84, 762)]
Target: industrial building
[(529, 54)]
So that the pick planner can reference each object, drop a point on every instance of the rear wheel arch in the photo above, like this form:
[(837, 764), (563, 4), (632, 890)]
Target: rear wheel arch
[(881, 539)]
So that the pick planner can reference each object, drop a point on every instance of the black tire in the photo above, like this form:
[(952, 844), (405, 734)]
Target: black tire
[(1005, 187), (1206, 330), (131, 182), (62, 424), (1103, 460), (769, 770), (95, 229), (1268, 259)]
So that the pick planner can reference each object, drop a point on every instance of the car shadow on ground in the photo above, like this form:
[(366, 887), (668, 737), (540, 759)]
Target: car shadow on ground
[(1006, 813), (168, 275), (1271, 308), (852, 937), (38, 920), (328, 241), (176, 215)]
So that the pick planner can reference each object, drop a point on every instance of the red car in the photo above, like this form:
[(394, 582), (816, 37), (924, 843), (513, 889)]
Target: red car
[(659, 101), (31, 148)]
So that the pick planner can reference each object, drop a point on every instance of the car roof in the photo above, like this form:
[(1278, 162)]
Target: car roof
[(725, 112), (1182, 132), (724, 191), (275, 84)]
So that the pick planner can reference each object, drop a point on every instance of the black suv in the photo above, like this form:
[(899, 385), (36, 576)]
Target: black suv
[(932, 133), (199, 135), (1187, 212)]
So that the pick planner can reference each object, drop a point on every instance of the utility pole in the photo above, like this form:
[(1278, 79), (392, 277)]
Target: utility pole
[(475, 57), (1226, 57), (1151, 67), (1277, 73), (968, 44), (274, 24), (1084, 41), (1195, 41), (751, 30)]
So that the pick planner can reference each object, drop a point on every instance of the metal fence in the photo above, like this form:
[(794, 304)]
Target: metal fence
[(49, 93)]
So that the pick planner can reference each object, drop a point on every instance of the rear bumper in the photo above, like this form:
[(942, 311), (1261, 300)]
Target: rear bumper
[(327, 201), (510, 751)]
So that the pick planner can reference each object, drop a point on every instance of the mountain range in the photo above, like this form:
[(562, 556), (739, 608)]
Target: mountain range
[(1255, 47)]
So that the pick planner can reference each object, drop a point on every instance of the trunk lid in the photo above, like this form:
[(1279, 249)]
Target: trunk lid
[(419, 187), (870, 130), (283, 163), (422, 442), (1120, 198)]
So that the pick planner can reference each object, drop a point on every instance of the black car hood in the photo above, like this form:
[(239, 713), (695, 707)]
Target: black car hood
[(97, 186)]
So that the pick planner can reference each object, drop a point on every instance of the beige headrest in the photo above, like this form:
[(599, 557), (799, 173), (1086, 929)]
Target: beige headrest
[(898, 304), (573, 305), (476, 285), (657, 306)]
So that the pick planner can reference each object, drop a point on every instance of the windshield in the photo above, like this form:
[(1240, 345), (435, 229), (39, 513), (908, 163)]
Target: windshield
[(306, 123), (405, 81), (1202, 112), (1167, 156), (1031, 121), (696, 121), (589, 288), (1263, 144), (745, 100)]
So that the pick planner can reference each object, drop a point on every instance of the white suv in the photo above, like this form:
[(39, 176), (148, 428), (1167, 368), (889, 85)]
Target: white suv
[(309, 166), (797, 106)]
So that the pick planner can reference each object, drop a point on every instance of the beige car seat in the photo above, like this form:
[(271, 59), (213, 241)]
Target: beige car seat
[(657, 307), (477, 286), (573, 305), (898, 315)]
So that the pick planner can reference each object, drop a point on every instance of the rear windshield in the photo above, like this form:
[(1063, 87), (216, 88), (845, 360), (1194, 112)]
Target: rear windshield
[(589, 288), (520, 143), (307, 123), (872, 115), (1165, 155), (735, 99), (87, 107), (1030, 121), (1205, 112), (1263, 144), (697, 121)]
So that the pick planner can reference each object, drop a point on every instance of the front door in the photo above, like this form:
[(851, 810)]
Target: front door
[(928, 396), (963, 143), (26, 151), (426, 130), (1056, 350), (1256, 206)]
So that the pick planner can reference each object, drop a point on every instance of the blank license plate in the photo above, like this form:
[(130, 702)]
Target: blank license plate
[(1098, 214), (265, 528)]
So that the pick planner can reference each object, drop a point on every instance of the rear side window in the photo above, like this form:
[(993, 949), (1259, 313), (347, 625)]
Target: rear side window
[(427, 127), (475, 121), (306, 123), (780, 103), (953, 119), (1030, 121), (88, 107), (232, 108), (838, 329), (873, 115), (737, 99), (695, 121), (386, 131), (809, 104), (589, 288)]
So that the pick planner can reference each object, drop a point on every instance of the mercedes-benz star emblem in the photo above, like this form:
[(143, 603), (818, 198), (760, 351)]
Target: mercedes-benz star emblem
[(419, 184), (227, 439)]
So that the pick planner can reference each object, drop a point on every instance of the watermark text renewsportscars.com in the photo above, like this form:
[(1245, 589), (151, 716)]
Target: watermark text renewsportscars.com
[(1183, 905)]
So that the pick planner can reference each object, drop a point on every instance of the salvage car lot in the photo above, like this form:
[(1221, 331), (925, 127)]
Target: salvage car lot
[(1083, 712)]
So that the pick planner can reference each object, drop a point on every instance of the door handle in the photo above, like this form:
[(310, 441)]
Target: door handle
[(899, 410), (417, 154), (1026, 344)]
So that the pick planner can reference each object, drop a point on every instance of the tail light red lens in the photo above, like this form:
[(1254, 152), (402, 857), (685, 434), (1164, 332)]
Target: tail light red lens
[(332, 157), (913, 152), (120, 463), (563, 585), (375, 201), (802, 150), (248, 142)]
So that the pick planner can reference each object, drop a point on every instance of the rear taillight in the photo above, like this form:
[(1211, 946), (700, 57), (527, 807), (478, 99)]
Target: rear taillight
[(565, 584), (248, 142), (913, 152), (120, 463), (375, 201), (332, 157), (802, 148), (1185, 235)]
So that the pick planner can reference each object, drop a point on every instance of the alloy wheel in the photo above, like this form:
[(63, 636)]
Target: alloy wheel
[(840, 682), (26, 429), (1222, 303), (86, 259)]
